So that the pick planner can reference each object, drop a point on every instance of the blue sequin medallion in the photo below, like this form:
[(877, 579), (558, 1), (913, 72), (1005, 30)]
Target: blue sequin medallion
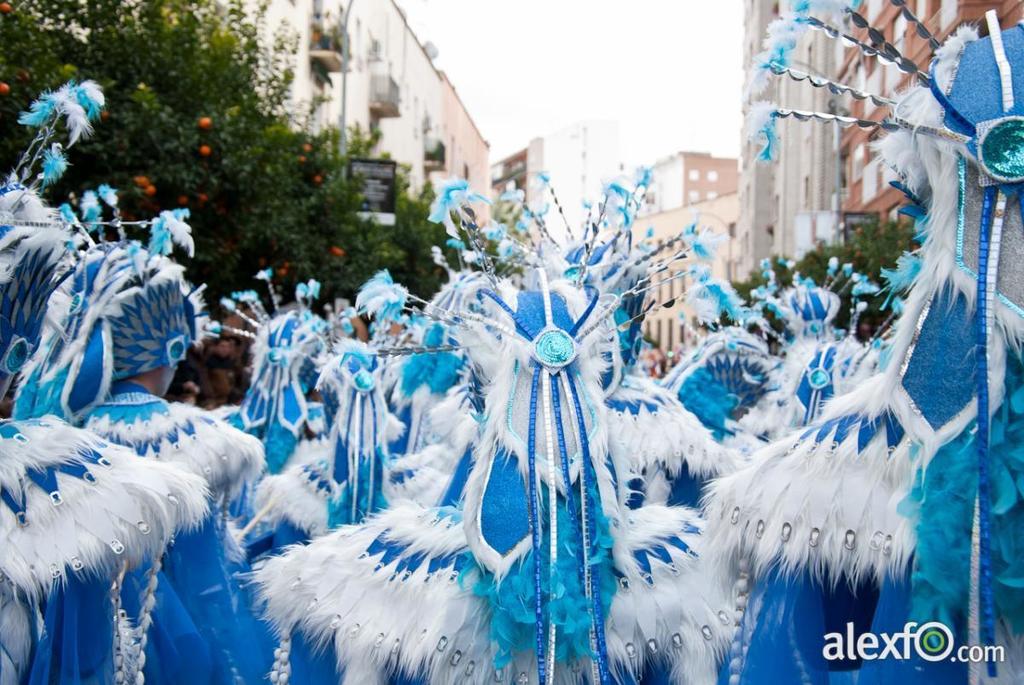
[(17, 355), (1001, 149), (554, 348), (363, 380)]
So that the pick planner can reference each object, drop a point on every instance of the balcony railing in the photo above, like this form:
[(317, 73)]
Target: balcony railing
[(385, 96), (325, 46), (433, 154)]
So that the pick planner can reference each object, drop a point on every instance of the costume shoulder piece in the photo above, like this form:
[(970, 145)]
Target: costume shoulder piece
[(224, 456), (302, 494), (73, 503), (651, 425)]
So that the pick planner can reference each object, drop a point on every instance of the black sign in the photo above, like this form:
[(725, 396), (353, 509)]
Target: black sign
[(379, 179)]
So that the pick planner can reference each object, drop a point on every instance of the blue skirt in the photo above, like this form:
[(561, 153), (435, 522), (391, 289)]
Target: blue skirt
[(76, 643), (207, 585)]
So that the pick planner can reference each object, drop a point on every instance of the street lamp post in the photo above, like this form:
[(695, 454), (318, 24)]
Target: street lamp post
[(344, 78)]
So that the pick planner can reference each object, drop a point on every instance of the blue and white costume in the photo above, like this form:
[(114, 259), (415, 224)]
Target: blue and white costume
[(540, 571), (127, 314), (724, 379), (895, 504), (76, 512), (287, 353)]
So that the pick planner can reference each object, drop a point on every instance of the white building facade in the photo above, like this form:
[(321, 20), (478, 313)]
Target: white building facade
[(392, 87)]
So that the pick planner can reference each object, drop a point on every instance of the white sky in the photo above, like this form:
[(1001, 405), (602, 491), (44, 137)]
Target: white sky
[(669, 71)]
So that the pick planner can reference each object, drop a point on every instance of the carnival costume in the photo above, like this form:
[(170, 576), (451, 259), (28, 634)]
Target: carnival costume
[(542, 569), (897, 503), (78, 512), (125, 314)]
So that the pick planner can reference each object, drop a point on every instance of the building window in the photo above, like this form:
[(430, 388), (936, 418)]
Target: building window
[(694, 196), (694, 175), (712, 195), (713, 176)]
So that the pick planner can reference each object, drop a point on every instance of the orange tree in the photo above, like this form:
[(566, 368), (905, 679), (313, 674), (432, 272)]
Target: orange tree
[(198, 117)]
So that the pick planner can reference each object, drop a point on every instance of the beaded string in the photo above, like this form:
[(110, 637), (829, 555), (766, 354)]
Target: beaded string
[(372, 455), (281, 670), (586, 473), (353, 452), (588, 588), (146, 619), (118, 614), (538, 601), (549, 440), (549, 444), (988, 265)]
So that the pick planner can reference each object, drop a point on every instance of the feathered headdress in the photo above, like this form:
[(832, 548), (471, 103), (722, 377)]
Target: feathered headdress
[(123, 311)]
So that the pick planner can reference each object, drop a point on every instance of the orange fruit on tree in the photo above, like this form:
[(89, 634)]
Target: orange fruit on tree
[(141, 181), (205, 150), (205, 123), (183, 200), (150, 190), (5, 89), (307, 147), (5, 8), (318, 179), (337, 251)]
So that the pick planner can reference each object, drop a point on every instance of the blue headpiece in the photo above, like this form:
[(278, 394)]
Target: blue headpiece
[(809, 310), (286, 360), (352, 370), (32, 239), (29, 273), (124, 311)]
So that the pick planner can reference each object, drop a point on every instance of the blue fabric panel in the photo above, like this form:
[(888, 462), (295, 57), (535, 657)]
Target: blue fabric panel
[(311, 666), (504, 519), (210, 589), (893, 430), (686, 489), (643, 562), (176, 653), (291, 412), (846, 424), (678, 543), (457, 485), (894, 610), (868, 430), (87, 384), (940, 375), (530, 312), (75, 645), (662, 553), (785, 626)]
